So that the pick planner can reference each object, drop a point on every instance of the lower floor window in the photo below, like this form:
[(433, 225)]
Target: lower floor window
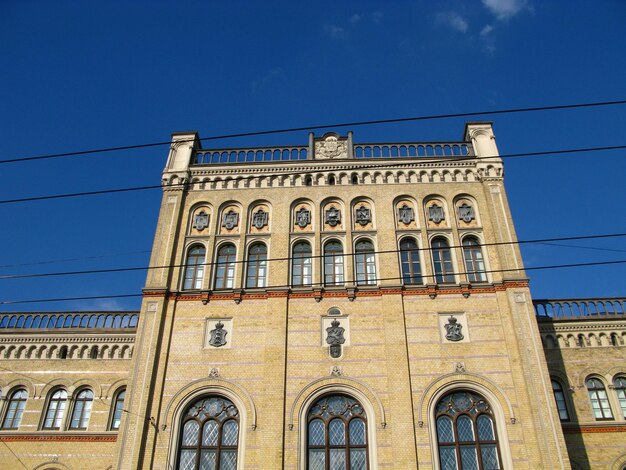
[(466, 433), (336, 434), (209, 435)]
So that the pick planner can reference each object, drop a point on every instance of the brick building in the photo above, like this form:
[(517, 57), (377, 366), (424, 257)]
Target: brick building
[(335, 305)]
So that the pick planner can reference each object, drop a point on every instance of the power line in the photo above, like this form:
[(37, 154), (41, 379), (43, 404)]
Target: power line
[(322, 126), (337, 284), (397, 161), (82, 258), (289, 258)]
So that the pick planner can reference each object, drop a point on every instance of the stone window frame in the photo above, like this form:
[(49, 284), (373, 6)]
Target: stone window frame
[(454, 273), (420, 256), (203, 267), (357, 255), (264, 263), (607, 415), (9, 401), (294, 243), (218, 247), (334, 283), (46, 410), (85, 416), (480, 247)]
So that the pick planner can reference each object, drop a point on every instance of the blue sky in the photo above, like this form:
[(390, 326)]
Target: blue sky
[(82, 75)]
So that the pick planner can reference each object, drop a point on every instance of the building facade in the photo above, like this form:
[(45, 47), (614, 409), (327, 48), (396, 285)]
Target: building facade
[(334, 305)]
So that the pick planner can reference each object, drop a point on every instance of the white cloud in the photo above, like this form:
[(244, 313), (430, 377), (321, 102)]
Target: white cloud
[(454, 20), (486, 30), (336, 32), (377, 16), (355, 18), (505, 9)]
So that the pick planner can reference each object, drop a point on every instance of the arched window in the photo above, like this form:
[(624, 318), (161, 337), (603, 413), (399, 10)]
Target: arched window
[(474, 261), (559, 397), (442, 259), (194, 268), (301, 272), (209, 435), (225, 271), (599, 400), (257, 265), (337, 434), (82, 409), (365, 263), (331, 179), (118, 407), (333, 263), (410, 261), (14, 409), (55, 410), (466, 432), (620, 391)]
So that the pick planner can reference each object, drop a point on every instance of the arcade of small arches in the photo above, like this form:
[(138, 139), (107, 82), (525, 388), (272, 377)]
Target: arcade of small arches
[(68, 351), (585, 339)]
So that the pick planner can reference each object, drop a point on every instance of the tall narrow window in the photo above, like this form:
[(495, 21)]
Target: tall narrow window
[(337, 434), (474, 261), (365, 263), (82, 409), (466, 433), (559, 397), (410, 260), (301, 271), (225, 270), (15, 409), (333, 263), (118, 408), (599, 400), (55, 410), (442, 259), (620, 391), (194, 268), (257, 265), (209, 436)]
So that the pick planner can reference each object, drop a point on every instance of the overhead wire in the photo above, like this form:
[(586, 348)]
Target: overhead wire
[(339, 284), (289, 258), (322, 126), (363, 164)]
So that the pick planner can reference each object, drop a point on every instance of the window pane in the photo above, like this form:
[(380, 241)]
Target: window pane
[(485, 428), (190, 433), (409, 257), (230, 430), (357, 432), (336, 432), (469, 459), (447, 458), (209, 433), (444, 429), (208, 460), (119, 406), (465, 429), (317, 459), (337, 459), (187, 460), (316, 433), (228, 460), (489, 454), (358, 459)]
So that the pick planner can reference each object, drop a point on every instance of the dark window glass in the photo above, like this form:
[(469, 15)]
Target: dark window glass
[(257, 266), (620, 391), (56, 410), (194, 268), (559, 397), (410, 260), (442, 259), (225, 269), (337, 434), (599, 400), (15, 409), (365, 263), (301, 265), (209, 435), (474, 261), (118, 407), (466, 433), (82, 409), (333, 263)]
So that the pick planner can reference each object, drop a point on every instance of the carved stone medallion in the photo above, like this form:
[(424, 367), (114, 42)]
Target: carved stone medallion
[(333, 216), (363, 215), (218, 335), (259, 219), (201, 221), (331, 147), (435, 213), (405, 214), (335, 338), (303, 217), (230, 219), (466, 213), (453, 329)]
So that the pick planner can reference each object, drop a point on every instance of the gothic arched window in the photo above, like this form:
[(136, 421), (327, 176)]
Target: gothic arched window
[(257, 266), (14, 409), (209, 435), (194, 268), (333, 263), (301, 269), (620, 391), (118, 407), (82, 409), (225, 269), (365, 263), (337, 434), (466, 433), (55, 410), (599, 399), (410, 260), (559, 397), (474, 261), (442, 259)]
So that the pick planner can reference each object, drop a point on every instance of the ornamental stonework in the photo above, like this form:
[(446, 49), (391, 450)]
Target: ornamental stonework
[(331, 147)]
